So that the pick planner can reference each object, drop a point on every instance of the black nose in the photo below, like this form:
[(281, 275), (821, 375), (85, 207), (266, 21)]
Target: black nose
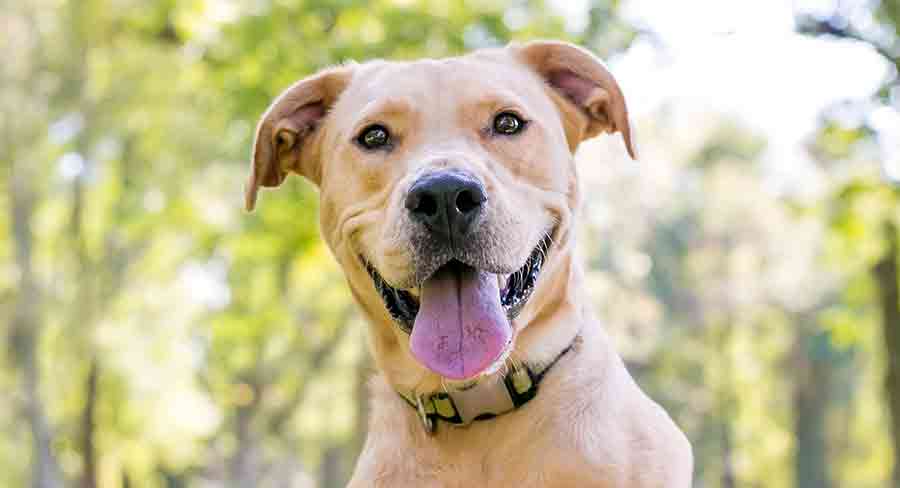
[(447, 202)]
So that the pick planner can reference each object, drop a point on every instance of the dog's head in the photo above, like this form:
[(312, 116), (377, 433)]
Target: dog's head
[(447, 190)]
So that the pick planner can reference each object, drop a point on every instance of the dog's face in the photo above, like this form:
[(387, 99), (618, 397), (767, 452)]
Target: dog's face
[(447, 190)]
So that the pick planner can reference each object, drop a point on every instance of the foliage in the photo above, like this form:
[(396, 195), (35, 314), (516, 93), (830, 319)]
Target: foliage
[(159, 336)]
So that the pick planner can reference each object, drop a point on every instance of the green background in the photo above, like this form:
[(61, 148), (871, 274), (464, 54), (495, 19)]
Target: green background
[(158, 336)]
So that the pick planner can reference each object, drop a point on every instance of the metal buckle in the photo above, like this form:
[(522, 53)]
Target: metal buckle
[(427, 422)]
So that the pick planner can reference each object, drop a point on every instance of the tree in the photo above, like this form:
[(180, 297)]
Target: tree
[(159, 334), (836, 142)]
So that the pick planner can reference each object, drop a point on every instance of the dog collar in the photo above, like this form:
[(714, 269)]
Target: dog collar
[(481, 401)]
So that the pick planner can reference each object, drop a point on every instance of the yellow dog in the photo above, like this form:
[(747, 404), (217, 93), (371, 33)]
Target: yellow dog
[(448, 195)]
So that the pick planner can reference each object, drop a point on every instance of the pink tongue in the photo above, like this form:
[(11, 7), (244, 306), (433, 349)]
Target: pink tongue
[(461, 328)]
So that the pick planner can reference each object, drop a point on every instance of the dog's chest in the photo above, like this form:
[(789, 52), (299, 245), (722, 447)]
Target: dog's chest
[(531, 448), (549, 468)]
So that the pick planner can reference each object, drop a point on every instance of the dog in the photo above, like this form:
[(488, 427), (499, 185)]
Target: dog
[(448, 194)]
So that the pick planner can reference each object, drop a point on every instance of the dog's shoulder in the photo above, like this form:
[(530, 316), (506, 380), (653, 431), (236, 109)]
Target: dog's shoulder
[(605, 429)]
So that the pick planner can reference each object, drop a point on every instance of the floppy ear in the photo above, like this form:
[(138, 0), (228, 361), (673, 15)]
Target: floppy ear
[(283, 140), (588, 96)]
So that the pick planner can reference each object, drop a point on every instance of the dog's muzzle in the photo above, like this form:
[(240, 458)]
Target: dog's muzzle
[(460, 321)]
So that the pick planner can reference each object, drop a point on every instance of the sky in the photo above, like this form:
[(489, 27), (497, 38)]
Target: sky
[(743, 59)]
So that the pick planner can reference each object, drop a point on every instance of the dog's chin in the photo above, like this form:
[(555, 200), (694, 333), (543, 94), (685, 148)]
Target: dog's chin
[(460, 289)]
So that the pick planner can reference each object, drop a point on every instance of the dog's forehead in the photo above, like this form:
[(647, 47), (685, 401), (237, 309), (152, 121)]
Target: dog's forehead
[(425, 81)]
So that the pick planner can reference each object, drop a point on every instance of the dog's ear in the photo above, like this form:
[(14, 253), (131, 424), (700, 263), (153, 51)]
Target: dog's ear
[(588, 96), (284, 141)]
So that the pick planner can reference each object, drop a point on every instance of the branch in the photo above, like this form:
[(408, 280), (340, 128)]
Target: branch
[(839, 27)]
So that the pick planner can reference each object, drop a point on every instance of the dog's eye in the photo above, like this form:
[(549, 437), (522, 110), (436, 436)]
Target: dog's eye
[(508, 123), (374, 137)]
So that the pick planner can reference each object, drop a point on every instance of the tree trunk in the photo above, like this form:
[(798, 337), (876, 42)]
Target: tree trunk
[(729, 479), (242, 472), (25, 334), (244, 464), (886, 271), (88, 428), (363, 373), (330, 473), (812, 390), (722, 334)]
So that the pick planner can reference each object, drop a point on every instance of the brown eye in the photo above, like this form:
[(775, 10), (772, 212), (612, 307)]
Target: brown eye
[(374, 137), (508, 123)]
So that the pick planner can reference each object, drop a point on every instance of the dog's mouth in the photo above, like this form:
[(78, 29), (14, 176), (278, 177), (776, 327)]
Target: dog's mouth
[(459, 319)]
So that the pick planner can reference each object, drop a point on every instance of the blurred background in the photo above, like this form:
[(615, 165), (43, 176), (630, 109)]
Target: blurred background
[(156, 335)]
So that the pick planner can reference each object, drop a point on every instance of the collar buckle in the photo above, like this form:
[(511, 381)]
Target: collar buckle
[(427, 419)]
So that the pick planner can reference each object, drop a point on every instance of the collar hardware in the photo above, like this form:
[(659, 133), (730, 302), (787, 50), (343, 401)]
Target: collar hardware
[(426, 414), (482, 401)]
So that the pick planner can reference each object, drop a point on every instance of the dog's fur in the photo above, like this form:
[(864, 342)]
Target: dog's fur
[(590, 424)]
